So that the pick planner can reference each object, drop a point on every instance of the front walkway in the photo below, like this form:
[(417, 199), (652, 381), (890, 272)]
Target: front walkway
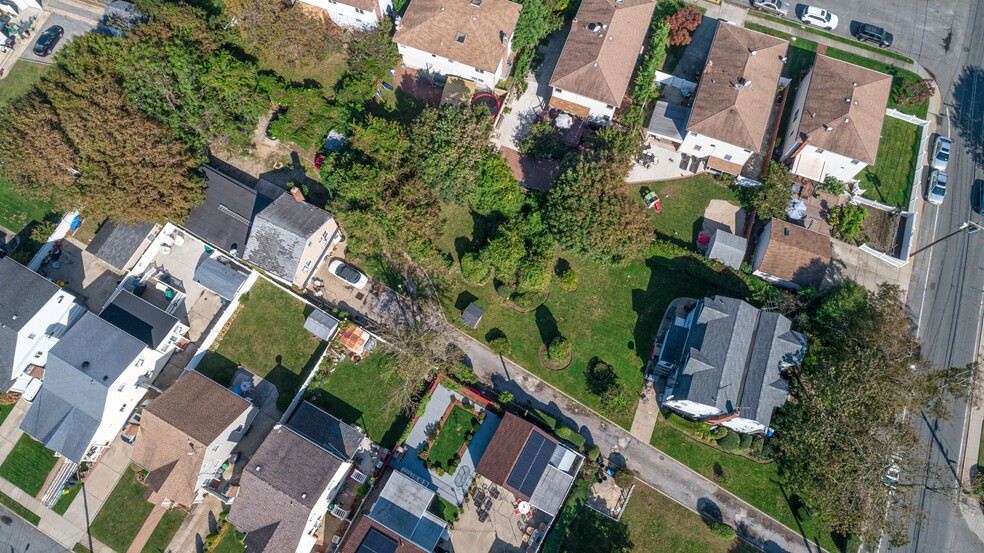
[(149, 525)]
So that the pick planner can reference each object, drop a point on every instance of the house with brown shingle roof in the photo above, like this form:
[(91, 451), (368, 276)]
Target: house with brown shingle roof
[(185, 438), (599, 57), (471, 39), (731, 115), (790, 255), (837, 120), (357, 14)]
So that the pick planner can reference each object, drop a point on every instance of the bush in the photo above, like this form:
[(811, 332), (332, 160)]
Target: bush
[(721, 474), (462, 373), (594, 452), (547, 420), (746, 442), (504, 291), (682, 25), (719, 432), (474, 269), (757, 443), (848, 220), (616, 399), (729, 442), (500, 346), (571, 435), (528, 300), (720, 529), (569, 280), (506, 398), (559, 350), (832, 185), (703, 432), (624, 478)]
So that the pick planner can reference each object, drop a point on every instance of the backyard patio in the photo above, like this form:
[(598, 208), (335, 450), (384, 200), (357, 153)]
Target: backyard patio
[(490, 521)]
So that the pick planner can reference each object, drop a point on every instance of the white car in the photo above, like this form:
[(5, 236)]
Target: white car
[(348, 273), (819, 17), (941, 153), (937, 190)]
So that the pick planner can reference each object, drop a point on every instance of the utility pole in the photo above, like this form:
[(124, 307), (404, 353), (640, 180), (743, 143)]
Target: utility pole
[(970, 226)]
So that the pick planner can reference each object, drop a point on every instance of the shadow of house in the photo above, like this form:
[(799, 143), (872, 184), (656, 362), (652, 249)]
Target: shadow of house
[(969, 120)]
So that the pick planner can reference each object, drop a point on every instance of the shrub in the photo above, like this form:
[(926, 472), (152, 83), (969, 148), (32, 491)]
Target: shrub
[(682, 25), (569, 280), (462, 373), (757, 443), (746, 442), (719, 432), (910, 92), (474, 269), (721, 474), (729, 442), (500, 345), (547, 420), (594, 452), (848, 220), (832, 185), (624, 478), (528, 300), (720, 529), (616, 399), (506, 398), (571, 435), (559, 350), (504, 291), (703, 432), (244, 298)]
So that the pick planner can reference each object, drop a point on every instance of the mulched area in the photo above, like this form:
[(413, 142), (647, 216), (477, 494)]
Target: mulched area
[(880, 229)]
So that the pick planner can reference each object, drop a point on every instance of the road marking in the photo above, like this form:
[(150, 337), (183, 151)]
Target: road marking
[(929, 268)]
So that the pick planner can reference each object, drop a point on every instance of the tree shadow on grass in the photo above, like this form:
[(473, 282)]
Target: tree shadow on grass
[(546, 323), (464, 300)]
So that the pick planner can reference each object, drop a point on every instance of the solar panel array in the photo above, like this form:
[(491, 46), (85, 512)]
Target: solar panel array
[(531, 464), (377, 542)]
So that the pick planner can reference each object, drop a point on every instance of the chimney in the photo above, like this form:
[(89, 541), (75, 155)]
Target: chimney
[(827, 128), (751, 52), (397, 22), (854, 84), (574, 24), (297, 194), (847, 120)]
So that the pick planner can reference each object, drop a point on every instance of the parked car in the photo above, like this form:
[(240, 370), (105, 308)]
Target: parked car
[(777, 7), (941, 153), (979, 206), (818, 16), (348, 273), (937, 187), (875, 35), (47, 40)]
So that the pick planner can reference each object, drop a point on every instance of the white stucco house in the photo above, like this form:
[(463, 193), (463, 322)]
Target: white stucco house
[(358, 14), (34, 314), (599, 57), (730, 118), (836, 122), (471, 39)]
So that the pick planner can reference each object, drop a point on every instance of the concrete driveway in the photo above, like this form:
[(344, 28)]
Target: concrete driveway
[(74, 26)]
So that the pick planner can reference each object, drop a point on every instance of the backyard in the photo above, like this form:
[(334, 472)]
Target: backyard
[(680, 201), (20, 79), (230, 541), (268, 338), (451, 437), (17, 211), (28, 464), (165, 531), (889, 181), (121, 517), (358, 394)]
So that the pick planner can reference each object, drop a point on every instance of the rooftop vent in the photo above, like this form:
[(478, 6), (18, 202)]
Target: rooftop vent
[(846, 120), (105, 377), (847, 100), (854, 84), (785, 232), (855, 102), (258, 467), (85, 364), (752, 52), (476, 3), (304, 496), (460, 38), (827, 128)]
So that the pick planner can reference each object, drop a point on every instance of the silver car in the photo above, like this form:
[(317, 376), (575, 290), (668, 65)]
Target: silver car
[(941, 153), (937, 187), (777, 7)]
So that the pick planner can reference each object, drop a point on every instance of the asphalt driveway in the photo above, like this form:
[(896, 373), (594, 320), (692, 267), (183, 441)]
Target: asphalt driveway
[(73, 25)]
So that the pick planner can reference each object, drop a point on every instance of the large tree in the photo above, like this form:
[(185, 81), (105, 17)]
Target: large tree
[(858, 401), (449, 141), (281, 35)]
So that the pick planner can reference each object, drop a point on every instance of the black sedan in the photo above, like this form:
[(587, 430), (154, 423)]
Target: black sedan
[(47, 40)]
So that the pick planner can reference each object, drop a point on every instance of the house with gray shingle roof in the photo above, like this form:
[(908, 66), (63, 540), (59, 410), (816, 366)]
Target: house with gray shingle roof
[(290, 238), (34, 314), (729, 365), (93, 379)]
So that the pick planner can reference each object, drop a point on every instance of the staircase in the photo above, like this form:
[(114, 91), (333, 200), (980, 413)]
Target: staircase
[(52, 493)]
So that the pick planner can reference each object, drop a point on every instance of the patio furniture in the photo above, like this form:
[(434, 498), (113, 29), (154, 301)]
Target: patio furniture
[(488, 505), (483, 516), (494, 492)]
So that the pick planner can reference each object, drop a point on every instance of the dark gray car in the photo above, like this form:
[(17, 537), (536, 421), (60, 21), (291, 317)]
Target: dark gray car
[(874, 35)]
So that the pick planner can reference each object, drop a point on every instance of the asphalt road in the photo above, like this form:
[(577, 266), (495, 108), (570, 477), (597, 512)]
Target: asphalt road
[(19, 536)]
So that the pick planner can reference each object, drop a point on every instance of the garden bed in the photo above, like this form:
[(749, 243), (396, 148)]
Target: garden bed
[(452, 438)]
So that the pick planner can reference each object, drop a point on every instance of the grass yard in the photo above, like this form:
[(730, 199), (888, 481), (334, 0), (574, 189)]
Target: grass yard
[(680, 201), (28, 464), (124, 512), (165, 531), (20, 79), (358, 393), (5, 411), (79, 548), (19, 509), (613, 315), (65, 501), (451, 436), (831, 36), (889, 181), (230, 542), (17, 211), (268, 338), (798, 42), (444, 509)]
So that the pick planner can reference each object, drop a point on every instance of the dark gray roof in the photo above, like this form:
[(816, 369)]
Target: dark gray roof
[(22, 294), (325, 430), (224, 217), (116, 242), (472, 315), (727, 248), (280, 233), (402, 509), (81, 368), (669, 121), (674, 344), (219, 277), (280, 486), (321, 324), (735, 356), (139, 319)]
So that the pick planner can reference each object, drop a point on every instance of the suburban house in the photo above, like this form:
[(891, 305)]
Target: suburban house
[(34, 314), (290, 238), (599, 57), (93, 379), (186, 437), (289, 484), (224, 217), (790, 255), (731, 118), (471, 39), (358, 14), (530, 464), (399, 521), (726, 360), (158, 330), (121, 244), (837, 120)]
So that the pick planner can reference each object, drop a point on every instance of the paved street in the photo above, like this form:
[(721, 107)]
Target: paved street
[(19, 536)]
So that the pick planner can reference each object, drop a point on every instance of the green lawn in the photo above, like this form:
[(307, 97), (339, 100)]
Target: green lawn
[(358, 394), (79, 548), (28, 464), (5, 410), (831, 36), (798, 42), (231, 542), (166, 528), (120, 518), (20, 79), (444, 509), (451, 436), (66, 499), (613, 315), (268, 338), (17, 211), (21, 510), (680, 201), (889, 181)]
